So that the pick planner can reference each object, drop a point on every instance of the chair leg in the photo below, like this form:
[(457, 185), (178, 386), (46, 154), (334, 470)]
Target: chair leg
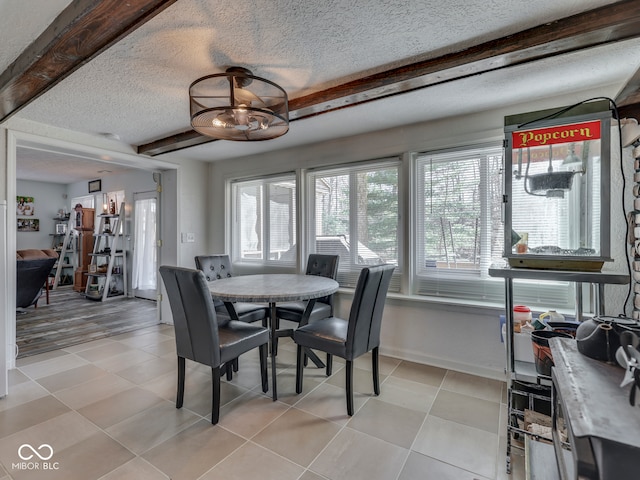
[(329, 364), (181, 370), (349, 387), (274, 386), (215, 395), (263, 367), (299, 369), (228, 368), (376, 371), (235, 364)]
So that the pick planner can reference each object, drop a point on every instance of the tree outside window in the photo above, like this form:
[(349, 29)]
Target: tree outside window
[(356, 216)]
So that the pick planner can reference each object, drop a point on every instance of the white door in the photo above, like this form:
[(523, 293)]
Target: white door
[(144, 276), (5, 311)]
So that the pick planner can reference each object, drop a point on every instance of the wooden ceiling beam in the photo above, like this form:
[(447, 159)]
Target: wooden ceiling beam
[(628, 100), (611, 23), (82, 31)]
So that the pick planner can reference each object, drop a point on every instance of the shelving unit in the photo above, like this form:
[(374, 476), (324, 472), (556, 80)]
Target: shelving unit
[(592, 417), (68, 250), (523, 381), (107, 275)]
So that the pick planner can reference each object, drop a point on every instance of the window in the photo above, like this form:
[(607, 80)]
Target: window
[(459, 229), (264, 220), (354, 213)]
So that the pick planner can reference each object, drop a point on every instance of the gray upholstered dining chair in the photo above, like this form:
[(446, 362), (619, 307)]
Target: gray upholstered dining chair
[(218, 266), (352, 337), (321, 265), (202, 338)]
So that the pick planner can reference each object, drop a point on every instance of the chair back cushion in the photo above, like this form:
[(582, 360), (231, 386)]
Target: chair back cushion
[(35, 254), (214, 267), (194, 316), (323, 266), (32, 269), (365, 318)]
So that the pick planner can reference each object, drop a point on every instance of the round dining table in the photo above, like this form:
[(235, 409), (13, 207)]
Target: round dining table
[(272, 288)]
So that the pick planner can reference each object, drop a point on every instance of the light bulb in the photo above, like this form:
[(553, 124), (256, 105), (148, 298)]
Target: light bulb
[(218, 123), (242, 120)]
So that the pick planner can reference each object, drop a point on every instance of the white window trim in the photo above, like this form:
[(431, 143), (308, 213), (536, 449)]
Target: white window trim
[(349, 167), (233, 239)]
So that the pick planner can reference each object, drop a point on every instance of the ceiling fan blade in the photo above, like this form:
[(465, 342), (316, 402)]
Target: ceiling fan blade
[(248, 98)]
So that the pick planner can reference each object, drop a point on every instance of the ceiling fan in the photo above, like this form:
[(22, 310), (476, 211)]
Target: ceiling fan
[(237, 105)]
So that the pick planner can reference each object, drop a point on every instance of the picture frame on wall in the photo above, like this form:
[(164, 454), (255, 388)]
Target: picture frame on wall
[(25, 206), (95, 186), (28, 224)]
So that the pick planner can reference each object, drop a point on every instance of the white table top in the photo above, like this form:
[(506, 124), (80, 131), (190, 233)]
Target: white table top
[(271, 288)]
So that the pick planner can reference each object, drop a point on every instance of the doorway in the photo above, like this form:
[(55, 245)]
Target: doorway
[(144, 276), (41, 154)]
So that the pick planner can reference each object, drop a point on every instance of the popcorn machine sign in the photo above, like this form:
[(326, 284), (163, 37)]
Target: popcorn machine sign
[(576, 132)]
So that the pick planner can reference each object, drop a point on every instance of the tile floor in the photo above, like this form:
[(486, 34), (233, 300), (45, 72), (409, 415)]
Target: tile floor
[(107, 411)]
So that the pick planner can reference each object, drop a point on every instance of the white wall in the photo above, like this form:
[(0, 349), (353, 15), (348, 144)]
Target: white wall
[(7, 272), (48, 199), (463, 338), (184, 194), (195, 212)]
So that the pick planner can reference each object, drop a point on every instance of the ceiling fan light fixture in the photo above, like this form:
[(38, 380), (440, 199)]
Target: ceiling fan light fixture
[(237, 105)]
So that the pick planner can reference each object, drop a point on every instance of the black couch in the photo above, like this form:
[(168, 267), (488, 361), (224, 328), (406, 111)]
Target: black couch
[(32, 269)]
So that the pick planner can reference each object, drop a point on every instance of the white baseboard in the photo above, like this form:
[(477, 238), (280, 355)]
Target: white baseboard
[(418, 357)]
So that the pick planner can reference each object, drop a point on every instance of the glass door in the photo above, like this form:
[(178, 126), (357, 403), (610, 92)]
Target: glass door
[(144, 277)]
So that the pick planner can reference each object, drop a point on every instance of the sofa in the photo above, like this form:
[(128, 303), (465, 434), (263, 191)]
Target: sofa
[(32, 269)]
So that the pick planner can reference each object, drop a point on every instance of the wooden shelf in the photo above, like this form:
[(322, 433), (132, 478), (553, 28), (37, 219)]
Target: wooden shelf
[(67, 249), (101, 284)]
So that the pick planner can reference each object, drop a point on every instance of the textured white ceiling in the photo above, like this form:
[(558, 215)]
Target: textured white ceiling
[(138, 89), (44, 164)]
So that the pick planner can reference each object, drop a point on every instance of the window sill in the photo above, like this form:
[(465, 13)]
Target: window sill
[(441, 303)]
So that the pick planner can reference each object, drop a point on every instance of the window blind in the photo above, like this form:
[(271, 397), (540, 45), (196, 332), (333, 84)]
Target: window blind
[(459, 229), (355, 215), (264, 220)]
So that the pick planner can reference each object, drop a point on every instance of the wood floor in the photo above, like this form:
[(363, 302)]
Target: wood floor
[(70, 319)]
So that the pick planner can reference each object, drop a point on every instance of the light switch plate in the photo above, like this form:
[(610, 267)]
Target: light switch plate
[(187, 237)]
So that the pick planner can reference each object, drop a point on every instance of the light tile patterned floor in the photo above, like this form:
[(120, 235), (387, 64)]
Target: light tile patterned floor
[(107, 410)]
